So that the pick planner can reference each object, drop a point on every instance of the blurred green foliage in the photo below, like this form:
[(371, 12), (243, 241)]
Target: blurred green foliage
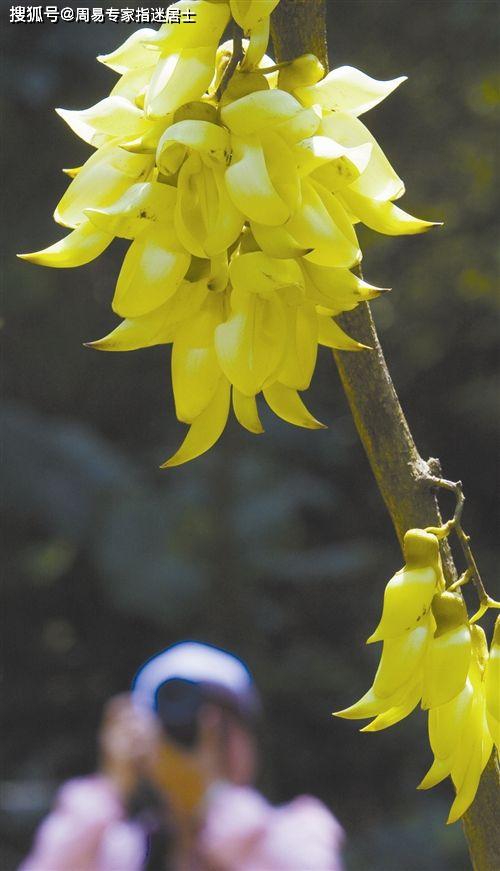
[(277, 547)]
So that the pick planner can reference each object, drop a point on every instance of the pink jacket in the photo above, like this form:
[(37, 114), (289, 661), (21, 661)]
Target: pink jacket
[(87, 831)]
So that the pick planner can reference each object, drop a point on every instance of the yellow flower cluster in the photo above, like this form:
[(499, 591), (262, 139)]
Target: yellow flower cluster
[(238, 184), (433, 655)]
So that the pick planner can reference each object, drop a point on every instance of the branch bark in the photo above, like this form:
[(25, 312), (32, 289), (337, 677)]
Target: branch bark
[(299, 26)]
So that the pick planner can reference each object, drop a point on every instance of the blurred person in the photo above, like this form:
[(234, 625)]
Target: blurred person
[(178, 757)]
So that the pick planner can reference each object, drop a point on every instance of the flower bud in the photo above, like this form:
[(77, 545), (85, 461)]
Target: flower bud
[(304, 70)]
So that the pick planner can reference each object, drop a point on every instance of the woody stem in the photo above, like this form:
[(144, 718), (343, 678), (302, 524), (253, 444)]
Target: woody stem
[(236, 57)]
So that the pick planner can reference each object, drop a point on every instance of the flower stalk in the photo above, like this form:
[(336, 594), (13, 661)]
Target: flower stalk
[(455, 525), (234, 61)]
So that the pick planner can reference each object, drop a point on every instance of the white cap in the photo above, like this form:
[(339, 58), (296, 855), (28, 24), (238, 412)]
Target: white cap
[(196, 663)]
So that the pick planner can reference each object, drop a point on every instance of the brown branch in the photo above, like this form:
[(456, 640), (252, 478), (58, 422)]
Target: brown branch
[(298, 27), (234, 60)]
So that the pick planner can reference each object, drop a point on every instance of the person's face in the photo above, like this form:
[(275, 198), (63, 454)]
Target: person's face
[(225, 750), (240, 751)]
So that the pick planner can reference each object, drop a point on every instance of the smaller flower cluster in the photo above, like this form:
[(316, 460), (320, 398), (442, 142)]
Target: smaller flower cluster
[(431, 654)]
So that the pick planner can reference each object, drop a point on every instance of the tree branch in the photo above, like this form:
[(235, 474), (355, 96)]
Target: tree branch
[(298, 27), (234, 60)]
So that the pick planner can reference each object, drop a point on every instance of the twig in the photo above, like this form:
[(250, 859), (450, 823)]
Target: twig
[(236, 57), (455, 524)]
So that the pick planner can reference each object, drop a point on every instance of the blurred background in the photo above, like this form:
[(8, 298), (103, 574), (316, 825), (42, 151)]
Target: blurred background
[(276, 547)]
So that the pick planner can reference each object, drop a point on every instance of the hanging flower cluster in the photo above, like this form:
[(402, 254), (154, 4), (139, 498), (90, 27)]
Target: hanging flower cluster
[(432, 654), (239, 184)]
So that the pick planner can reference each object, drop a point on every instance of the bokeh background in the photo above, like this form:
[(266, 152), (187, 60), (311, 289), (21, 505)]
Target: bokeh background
[(276, 547)]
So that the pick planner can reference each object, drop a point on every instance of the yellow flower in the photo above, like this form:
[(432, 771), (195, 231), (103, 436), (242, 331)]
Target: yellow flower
[(431, 653), (459, 735), (407, 628), (492, 686), (239, 199), (397, 685), (408, 595)]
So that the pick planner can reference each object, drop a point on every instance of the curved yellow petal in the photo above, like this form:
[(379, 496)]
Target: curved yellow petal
[(439, 770), (258, 111), (250, 187), (446, 667), (72, 171), (337, 289), (204, 137), (384, 217), (320, 152), (218, 276), (301, 126), (111, 118), (257, 45), (321, 223), (301, 352), (79, 247), (158, 327), (208, 23), (256, 272), (277, 241), (343, 248), (471, 758), (152, 270), (147, 143), (102, 180), (245, 410), (407, 599), (467, 789), (227, 222), (195, 369), (446, 722), (492, 675), (347, 89), (206, 429), (311, 225), (332, 336), (251, 344), (287, 404), (398, 712), (179, 78), (142, 203), (401, 660), (379, 181), (282, 169), (249, 13), (471, 734), (494, 729), (371, 705), (195, 196), (133, 53), (206, 219), (343, 172), (132, 85), (480, 653)]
